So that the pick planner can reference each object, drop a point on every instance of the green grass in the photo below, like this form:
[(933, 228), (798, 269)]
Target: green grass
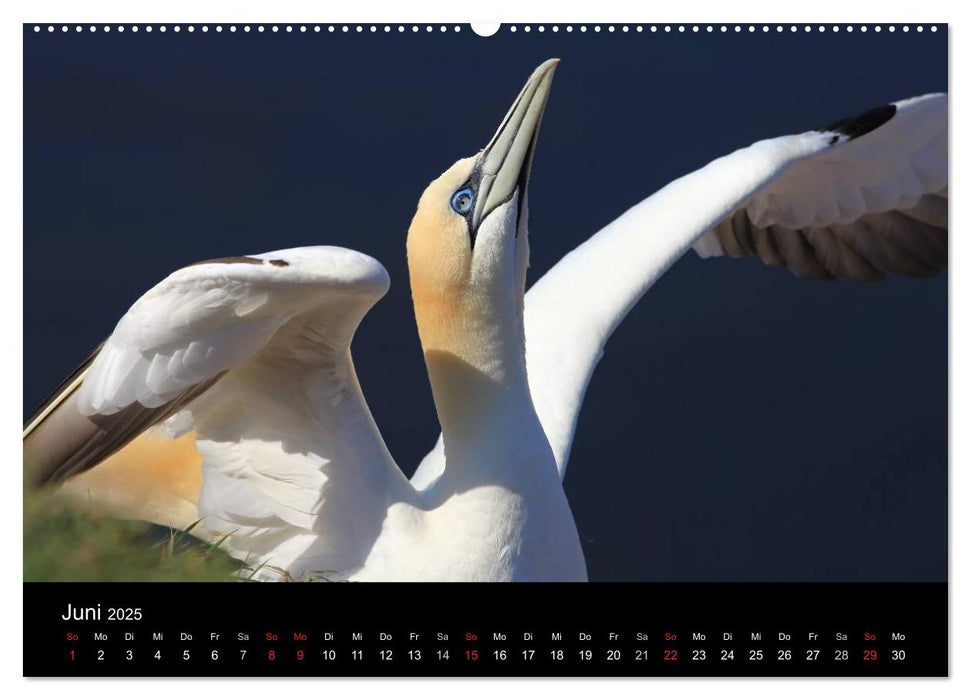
[(318, 576), (62, 543)]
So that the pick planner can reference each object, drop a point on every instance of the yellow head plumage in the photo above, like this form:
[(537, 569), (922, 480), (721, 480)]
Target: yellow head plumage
[(466, 256)]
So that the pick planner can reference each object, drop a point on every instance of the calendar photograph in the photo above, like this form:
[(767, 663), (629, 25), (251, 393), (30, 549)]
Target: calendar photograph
[(599, 308)]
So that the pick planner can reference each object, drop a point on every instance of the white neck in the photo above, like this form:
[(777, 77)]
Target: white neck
[(474, 344), (499, 500), (481, 392)]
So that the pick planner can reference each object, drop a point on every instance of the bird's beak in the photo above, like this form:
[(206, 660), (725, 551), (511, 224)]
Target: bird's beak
[(504, 164)]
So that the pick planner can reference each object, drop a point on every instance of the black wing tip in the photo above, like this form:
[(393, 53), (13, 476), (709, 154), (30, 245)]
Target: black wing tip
[(242, 259), (855, 127)]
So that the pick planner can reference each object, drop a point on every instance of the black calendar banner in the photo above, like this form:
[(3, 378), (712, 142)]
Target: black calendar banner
[(346, 629)]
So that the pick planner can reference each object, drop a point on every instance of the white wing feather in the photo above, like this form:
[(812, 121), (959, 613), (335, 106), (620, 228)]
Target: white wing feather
[(293, 463), (204, 319)]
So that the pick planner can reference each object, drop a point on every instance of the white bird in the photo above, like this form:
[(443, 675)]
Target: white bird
[(227, 392)]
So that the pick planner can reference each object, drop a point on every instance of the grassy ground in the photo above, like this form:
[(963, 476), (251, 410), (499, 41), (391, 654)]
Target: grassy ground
[(62, 543)]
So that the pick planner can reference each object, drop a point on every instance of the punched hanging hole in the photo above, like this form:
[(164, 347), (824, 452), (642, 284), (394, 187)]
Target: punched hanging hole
[(485, 29)]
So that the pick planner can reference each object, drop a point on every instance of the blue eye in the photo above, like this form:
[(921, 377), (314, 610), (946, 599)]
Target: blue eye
[(462, 201)]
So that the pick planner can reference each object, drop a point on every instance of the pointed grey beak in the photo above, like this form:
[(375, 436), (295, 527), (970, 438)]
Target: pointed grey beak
[(504, 164)]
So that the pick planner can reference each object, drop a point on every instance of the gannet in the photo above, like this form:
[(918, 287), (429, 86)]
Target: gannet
[(227, 394)]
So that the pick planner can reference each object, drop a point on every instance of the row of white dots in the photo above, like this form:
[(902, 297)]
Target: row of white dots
[(512, 28), (724, 28), (245, 28)]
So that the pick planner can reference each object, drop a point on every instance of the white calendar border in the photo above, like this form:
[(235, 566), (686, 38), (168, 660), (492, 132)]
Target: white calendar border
[(437, 11)]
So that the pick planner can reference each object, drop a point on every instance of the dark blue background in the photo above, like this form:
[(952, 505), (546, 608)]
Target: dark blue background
[(743, 425)]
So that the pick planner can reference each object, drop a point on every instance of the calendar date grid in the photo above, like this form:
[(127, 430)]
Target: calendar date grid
[(469, 648)]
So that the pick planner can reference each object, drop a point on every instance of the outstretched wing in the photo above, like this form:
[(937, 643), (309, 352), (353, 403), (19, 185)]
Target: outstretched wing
[(253, 355), (861, 209), (857, 199)]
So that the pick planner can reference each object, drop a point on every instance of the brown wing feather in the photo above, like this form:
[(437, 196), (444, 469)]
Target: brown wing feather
[(60, 442), (63, 390), (910, 242)]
